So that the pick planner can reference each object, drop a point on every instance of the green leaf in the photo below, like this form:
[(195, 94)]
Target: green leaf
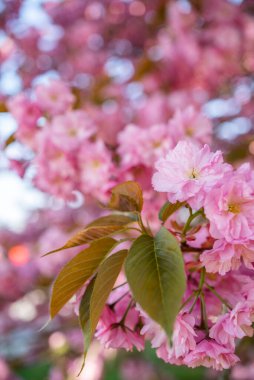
[(127, 196), (168, 209), (102, 227), (155, 272), (84, 317), (77, 271), (107, 275)]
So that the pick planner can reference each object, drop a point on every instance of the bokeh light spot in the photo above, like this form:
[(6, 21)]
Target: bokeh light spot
[(57, 341), (19, 254)]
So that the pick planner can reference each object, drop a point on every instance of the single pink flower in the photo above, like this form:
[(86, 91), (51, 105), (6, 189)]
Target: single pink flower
[(235, 324), (183, 336), (139, 146), (241, 318), (219, 333), (190, 124), (96, 169), (54, 97), (230, 210), (221, 259), (188, 173), (26, 113), (56, 171), (71, 130), (210, 354), (114, 333), (224, 256)]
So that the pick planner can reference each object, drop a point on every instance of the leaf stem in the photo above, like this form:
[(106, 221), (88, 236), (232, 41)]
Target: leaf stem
[(194, 303), (189, 208), (202, 278), (141, 224), (223, 301), (204, 321), (187, 301), (189, 220)]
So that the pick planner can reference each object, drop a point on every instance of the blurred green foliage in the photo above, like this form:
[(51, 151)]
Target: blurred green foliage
[(162, 370), (35, 371)]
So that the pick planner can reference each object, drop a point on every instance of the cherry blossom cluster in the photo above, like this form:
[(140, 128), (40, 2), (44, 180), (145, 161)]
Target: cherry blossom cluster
[(71, 153), (214, 226), (67, 156)]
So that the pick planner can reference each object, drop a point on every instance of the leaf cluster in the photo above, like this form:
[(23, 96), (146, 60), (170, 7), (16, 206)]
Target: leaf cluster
[(153, 265)]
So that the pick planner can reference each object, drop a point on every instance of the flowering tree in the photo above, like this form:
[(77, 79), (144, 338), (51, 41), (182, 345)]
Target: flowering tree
[(135, 94)]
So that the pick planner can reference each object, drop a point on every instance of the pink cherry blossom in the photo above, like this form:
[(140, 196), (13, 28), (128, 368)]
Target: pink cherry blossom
[(230, 210), (219, 331), (116, 332), (225, 256), (143, 146), (190, 124), (188, 173), (235, 324), (212, 355), (241, 318), (26, 113), (70, 130), (221, 259), (183, 337), (58, 174), (96, 169), (54, 97)]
